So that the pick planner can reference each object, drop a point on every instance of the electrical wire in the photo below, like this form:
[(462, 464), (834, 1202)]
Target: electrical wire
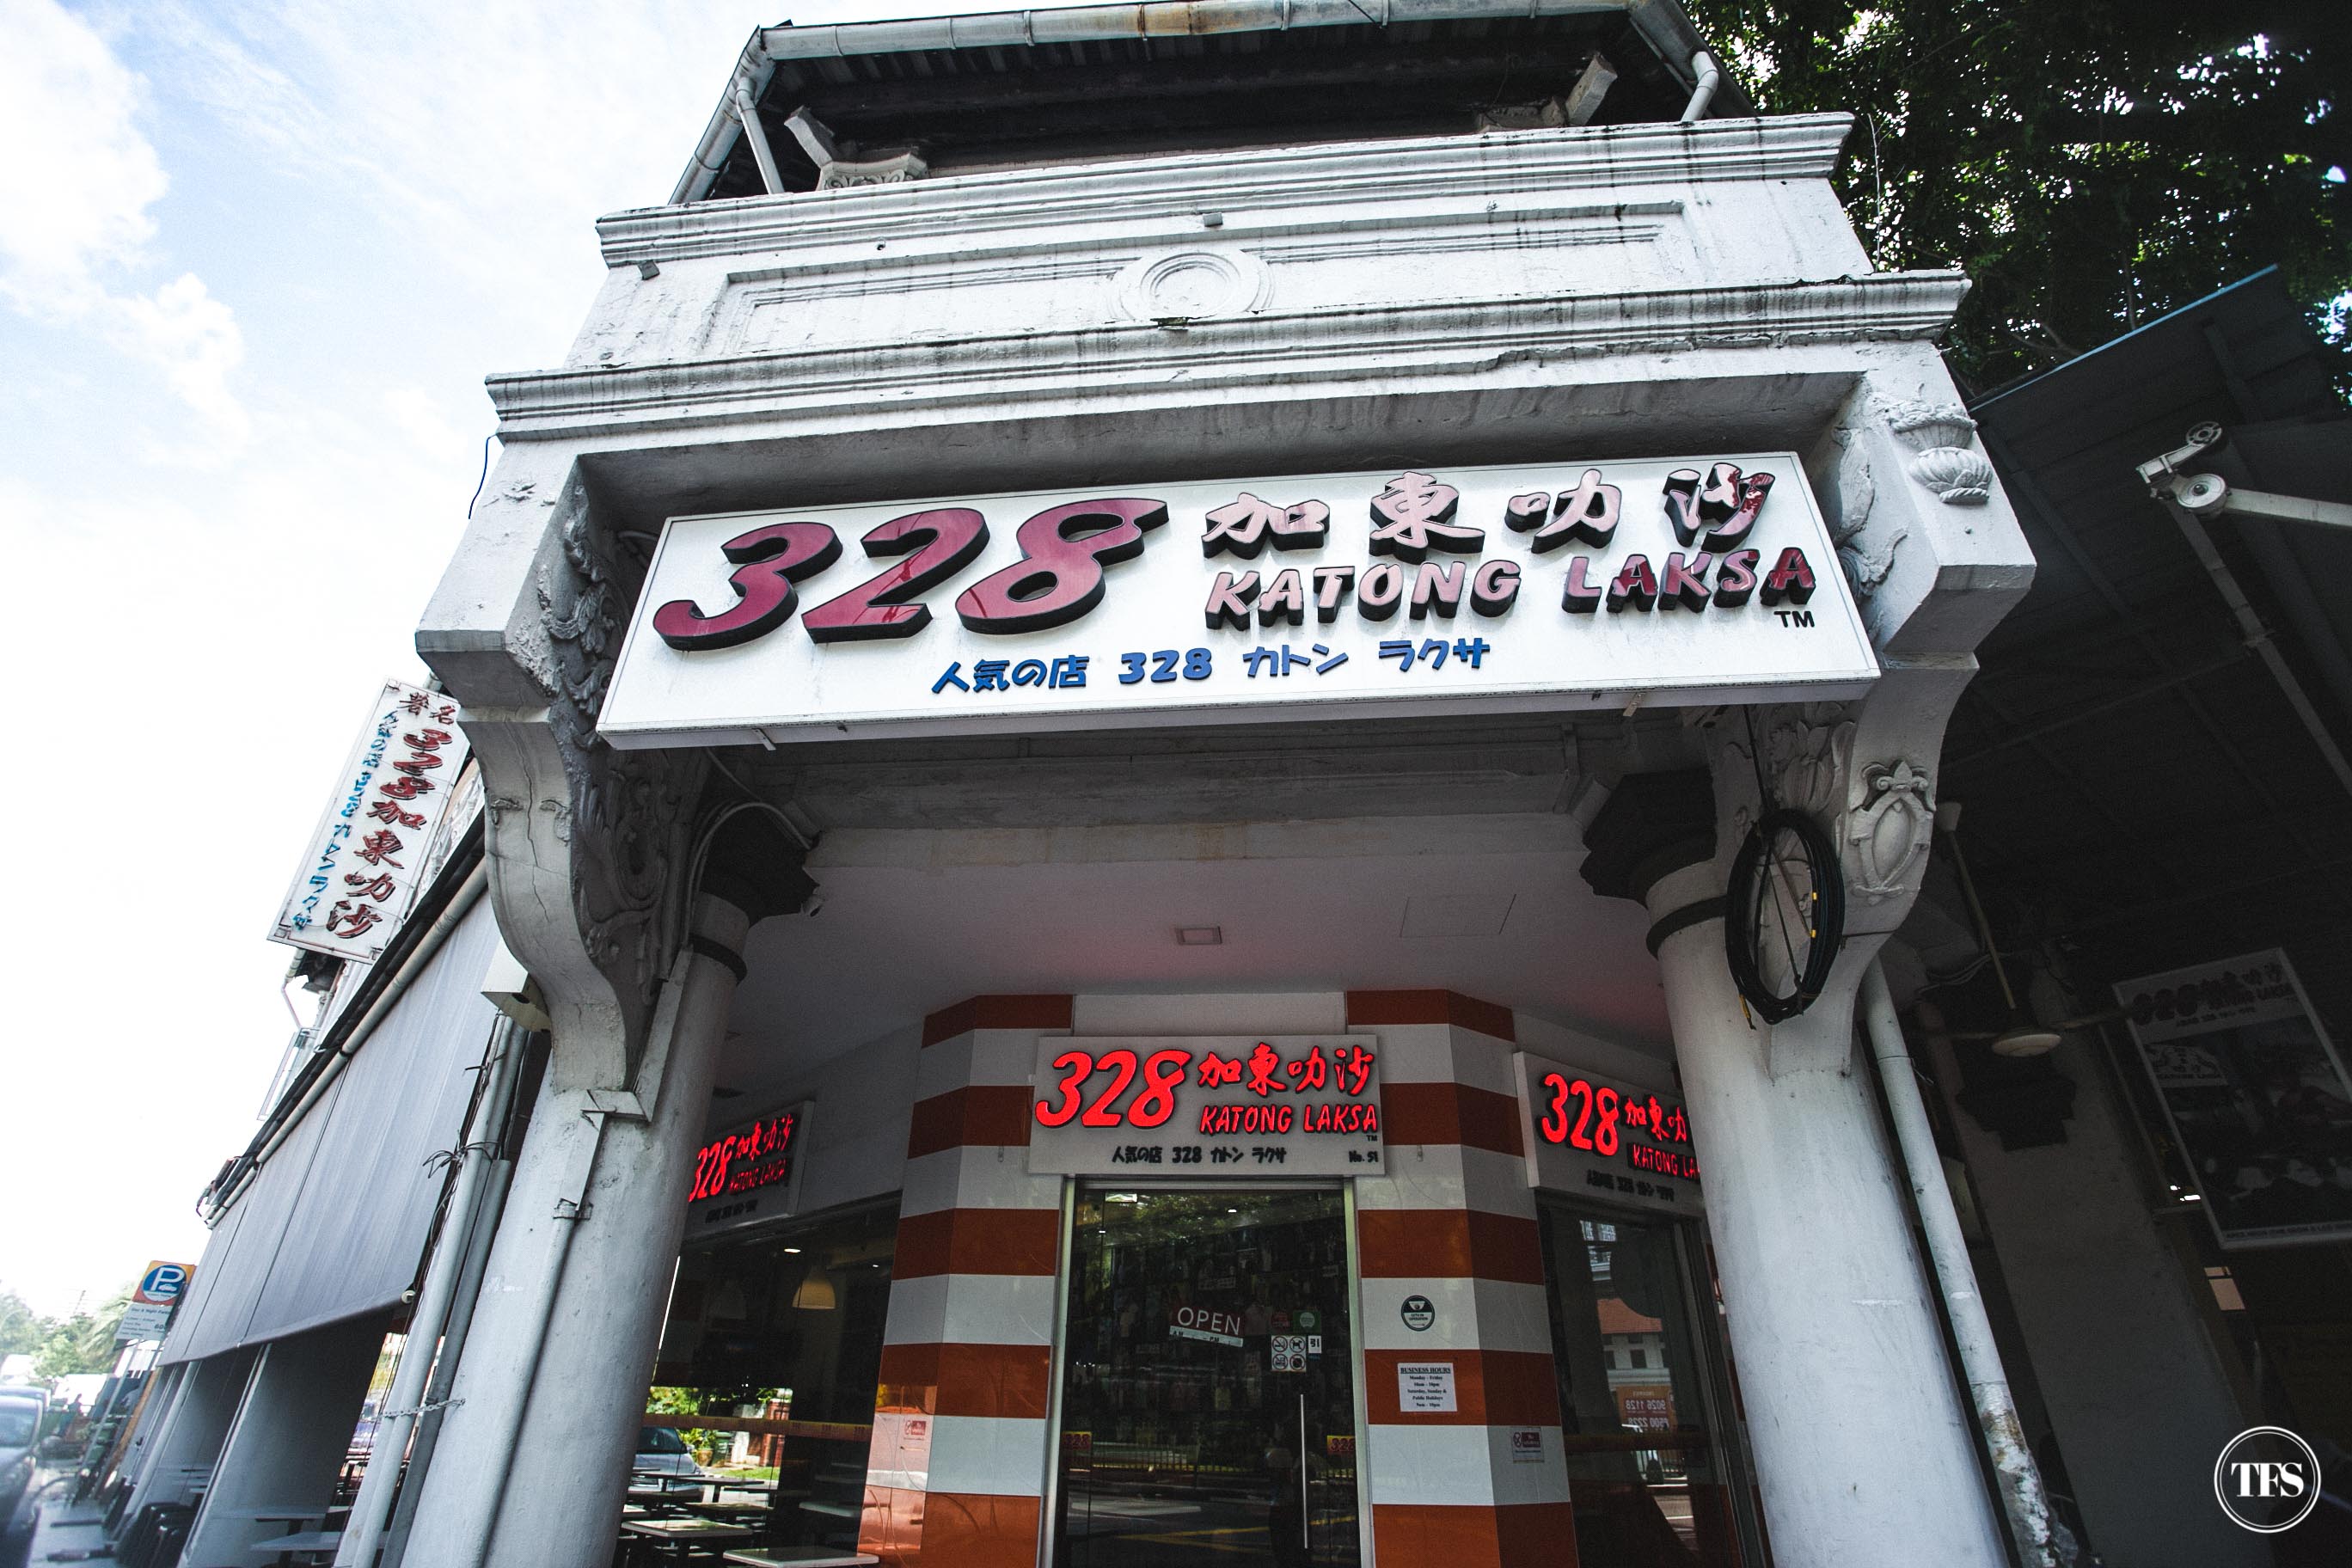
[(1753, 873)]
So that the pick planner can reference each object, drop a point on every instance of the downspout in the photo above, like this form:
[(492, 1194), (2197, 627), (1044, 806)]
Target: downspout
[(1710, 76), (445, 1367), (476, 1155), (2026, 1508), (747, 109)]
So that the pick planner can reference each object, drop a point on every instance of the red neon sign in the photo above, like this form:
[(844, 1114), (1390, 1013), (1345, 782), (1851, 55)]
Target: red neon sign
[(1262, 1073), (1600, 1116), (758, 1156)]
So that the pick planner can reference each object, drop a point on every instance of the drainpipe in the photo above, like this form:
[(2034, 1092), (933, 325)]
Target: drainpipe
[(2026, 1508), (1709, 76), (365, 1532), (747, 109), (445, 1366)]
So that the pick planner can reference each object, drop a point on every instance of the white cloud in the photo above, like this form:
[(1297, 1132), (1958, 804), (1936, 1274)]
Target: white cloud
[(79, 179), (193, 339), (396, 200), (74, 197)]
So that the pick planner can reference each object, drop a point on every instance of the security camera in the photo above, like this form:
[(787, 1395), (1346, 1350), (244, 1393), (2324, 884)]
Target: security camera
[(2200, 492)]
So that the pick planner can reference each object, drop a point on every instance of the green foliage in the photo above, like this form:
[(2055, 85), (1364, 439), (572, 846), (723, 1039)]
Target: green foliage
[(661, 1400), (21, 1332), (60, 1346), (82, 1343), (2090, 165)]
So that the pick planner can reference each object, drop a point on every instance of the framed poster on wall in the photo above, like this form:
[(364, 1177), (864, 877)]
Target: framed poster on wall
[(2255, 1094)]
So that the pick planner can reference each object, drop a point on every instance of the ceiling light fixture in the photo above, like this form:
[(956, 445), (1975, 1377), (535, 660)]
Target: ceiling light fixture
[(2023, 1034), (1200, 936)]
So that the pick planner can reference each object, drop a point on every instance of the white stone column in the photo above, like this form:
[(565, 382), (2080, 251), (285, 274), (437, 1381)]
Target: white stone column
[(1866, 1450), (533, 1461)]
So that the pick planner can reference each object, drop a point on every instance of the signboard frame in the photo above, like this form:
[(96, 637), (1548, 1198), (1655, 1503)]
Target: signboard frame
[(1628, 1164), (1192, 617), (2226, 1045), (367, 859), (1266, 1117)]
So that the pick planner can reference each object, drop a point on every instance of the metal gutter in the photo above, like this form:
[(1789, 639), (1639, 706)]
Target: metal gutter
[(2025, 1506), (1659, 21)]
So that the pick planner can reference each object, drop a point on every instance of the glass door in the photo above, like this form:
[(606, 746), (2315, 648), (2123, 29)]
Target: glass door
[(1654, 1472), (1208, 1391)]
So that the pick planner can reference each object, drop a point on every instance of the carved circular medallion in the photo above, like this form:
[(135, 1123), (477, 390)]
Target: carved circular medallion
[(1189, 286)]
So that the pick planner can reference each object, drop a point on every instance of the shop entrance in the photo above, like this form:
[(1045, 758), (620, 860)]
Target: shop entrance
[(1655, 1470), (1208, 1392)]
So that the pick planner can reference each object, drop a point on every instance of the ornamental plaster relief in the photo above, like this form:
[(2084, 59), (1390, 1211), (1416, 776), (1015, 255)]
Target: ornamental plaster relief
[(1864, 771), (1526, 216)]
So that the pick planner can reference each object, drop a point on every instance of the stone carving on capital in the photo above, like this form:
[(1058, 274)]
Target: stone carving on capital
[(1941, 438), (617, 823), (1881, 812), (1856, 493)]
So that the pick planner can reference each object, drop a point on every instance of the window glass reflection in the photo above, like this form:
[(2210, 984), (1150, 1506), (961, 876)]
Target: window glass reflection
[(1647, 1469)]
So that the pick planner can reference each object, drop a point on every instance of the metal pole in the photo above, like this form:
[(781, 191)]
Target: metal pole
[(2023, 1506), (1304, 1538), (755, 133), (404, 1401), (446, 1365)]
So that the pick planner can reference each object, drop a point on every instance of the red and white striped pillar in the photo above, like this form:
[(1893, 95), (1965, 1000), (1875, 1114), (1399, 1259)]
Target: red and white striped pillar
[(1453, 1221), (960, 1446)]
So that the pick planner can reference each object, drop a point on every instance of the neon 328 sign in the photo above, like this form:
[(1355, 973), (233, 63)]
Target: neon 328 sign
[(1302, 1104), (1590, 1135)]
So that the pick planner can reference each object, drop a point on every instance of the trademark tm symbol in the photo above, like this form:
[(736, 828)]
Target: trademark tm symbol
[(1795, 617)]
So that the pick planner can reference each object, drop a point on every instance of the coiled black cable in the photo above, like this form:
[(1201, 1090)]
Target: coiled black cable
[(1824, 916)]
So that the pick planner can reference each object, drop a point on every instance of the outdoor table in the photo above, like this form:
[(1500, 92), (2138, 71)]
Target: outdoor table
[(284, 1514), (683, 1535), (802, 1557), (302, 1543), (721, 1508)]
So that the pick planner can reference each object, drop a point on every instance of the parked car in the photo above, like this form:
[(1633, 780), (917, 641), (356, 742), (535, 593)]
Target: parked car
[(21, 1410), (662, 1452)]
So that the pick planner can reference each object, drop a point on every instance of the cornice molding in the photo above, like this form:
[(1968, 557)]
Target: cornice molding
[(1342, 349), (1786, 147)]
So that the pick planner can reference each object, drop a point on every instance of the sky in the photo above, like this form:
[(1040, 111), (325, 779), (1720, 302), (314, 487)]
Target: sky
[(255, 262)]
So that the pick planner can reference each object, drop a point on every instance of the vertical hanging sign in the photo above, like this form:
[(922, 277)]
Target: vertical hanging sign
[(368, 854)]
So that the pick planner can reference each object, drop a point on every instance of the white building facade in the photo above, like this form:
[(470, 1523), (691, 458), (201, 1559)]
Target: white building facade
[(1200, 991), (1643, 299)]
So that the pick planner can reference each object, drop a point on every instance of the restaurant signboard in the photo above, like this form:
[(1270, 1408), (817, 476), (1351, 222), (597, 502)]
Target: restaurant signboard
[(1603, 1137), (1160, 1106), (749, 1174), (369, 855), (1532, 586)]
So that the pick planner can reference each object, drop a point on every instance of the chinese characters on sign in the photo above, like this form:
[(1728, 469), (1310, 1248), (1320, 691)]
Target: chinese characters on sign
[(1528, 586), (368, 856), (1284, 1105), (1603, 1136), (2256, 1092), (748, 1174)]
